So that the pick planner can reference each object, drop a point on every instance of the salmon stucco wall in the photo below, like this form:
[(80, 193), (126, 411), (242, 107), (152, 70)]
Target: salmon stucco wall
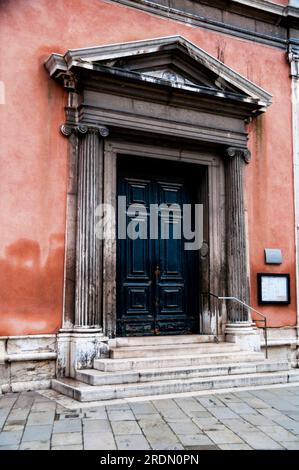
[(33, 165), (281, 2)]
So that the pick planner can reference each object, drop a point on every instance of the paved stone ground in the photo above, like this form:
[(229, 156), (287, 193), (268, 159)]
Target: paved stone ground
[(252, 419)]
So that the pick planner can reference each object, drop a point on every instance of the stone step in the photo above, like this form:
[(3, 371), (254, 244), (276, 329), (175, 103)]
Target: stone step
[(170, 349), (141, 363), (159, 340), (96, 377), (84, 393)]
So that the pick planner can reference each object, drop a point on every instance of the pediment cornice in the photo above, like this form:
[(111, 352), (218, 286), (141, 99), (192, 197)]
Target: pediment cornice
[(172, 62)]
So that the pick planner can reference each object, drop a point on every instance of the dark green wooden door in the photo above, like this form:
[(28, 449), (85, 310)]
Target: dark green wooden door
[(157, 279)]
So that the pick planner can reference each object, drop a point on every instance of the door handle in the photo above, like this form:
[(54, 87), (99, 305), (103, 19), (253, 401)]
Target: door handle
[(157, 273)]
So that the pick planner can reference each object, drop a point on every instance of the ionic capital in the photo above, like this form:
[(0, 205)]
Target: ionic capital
[(235, 152), (82, 129)]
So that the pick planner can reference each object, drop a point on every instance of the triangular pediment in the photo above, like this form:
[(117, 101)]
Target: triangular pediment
[(175, 68), (172, 74), (171, 61)]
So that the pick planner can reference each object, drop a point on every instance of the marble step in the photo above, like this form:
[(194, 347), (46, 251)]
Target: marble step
[(159, 350), (85, 393), (96, 377), (160, 340), (141, 363)]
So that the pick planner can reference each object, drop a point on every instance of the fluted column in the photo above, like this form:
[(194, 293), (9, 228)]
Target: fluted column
[(80, 345), (237, 279), (294, 69), (88, 302)]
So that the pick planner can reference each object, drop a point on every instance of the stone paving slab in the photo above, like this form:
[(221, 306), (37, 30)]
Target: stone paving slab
[(18, 414), (224, 436), (242, 408), (241, 420), (132, 442), (73, 447), (170, 446), (259, 441), (189, 406), (290, 425), (41, 417), (67, 425), (290, 445), (35, 445), (278, 434), (120, 415), (206, 423), (37, 433), (10, 437), (126, 428), (237, 425), (95, 441), (234, 447), (96, 425), (221, 412), (15, 447), (184, 427), (71, 438), (143, 408), (194, 440)]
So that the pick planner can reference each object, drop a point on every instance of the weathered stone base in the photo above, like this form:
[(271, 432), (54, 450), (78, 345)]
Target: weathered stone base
[(78, 348), (31, 362), (283, 343), (244, 334), (27, 362)]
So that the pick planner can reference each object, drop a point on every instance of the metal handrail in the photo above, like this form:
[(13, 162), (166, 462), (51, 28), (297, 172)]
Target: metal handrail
[(235, 299)]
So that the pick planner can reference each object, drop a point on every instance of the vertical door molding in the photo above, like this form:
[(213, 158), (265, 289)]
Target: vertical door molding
[(217, 223), (109, 243)]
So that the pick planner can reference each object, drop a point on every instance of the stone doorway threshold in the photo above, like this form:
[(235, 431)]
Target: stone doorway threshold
[(125, 341)]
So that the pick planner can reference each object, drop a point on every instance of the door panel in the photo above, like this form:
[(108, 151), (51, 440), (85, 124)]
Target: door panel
[(156, 277), (171, 311), (134, 285)]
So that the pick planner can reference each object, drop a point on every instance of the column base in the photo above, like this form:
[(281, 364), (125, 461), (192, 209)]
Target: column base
[(78, 348), (244, 334), (63, 353)]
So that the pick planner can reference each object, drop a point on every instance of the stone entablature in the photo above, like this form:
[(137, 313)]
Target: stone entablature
[(257, 20)]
